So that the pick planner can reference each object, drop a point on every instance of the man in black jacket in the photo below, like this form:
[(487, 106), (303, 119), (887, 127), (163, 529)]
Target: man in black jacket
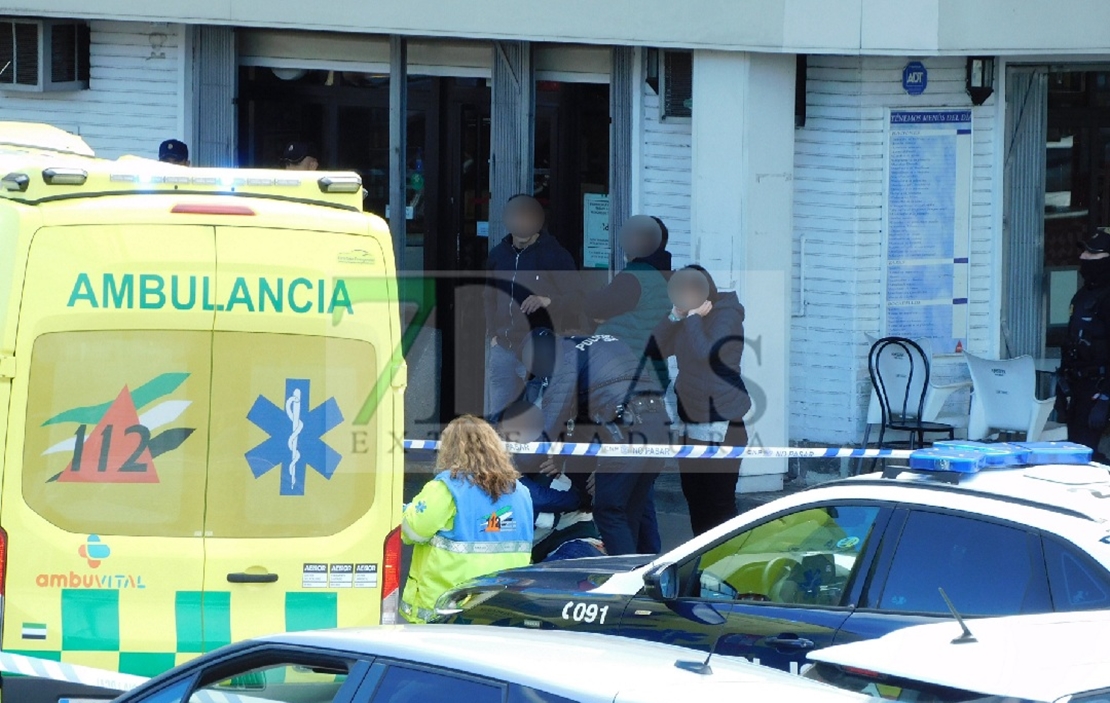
[(592, 390), (529, 289), (1083, 384)]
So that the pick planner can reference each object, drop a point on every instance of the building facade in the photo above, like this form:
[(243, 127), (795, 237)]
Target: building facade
[(766, 136)]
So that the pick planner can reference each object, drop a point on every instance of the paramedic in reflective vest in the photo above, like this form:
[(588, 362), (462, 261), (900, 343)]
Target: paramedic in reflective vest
[(1083, 384), (473, 518), (592, 390)]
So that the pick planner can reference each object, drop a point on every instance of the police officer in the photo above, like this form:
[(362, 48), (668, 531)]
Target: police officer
[(1083, 384), (593, 390)]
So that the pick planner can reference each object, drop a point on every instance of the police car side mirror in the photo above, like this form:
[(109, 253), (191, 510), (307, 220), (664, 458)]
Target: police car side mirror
[(661, 583)]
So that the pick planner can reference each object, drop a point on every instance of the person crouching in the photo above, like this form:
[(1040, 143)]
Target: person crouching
[(473, 518)]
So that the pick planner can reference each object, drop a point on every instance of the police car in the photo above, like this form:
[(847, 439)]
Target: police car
[(1037, 658), (1003, 529), (476, 665)]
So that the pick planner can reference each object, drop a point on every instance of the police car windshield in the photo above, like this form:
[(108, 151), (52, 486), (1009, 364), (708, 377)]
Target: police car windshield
[(890, 688)]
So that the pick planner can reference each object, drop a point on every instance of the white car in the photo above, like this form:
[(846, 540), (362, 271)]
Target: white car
[(1005, 530), (1037, 658), (426, 664)]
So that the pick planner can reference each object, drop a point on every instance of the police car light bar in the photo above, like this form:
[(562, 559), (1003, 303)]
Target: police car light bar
[(963, 457), (1056, 452), (993, 455), (948, 460)]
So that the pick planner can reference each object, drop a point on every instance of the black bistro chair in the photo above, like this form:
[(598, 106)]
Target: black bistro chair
[(900, 375)]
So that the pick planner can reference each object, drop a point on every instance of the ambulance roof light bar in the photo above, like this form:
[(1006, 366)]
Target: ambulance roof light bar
[(65, 176), (340, 184), (17, 182), (952, 460), (97, 177)]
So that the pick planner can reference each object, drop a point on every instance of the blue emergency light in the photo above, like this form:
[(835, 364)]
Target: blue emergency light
[(994, 456), (1056, 452), (948, 460), (965, 457)]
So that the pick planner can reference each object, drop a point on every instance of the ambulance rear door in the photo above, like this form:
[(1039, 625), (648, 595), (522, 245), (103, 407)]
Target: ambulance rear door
[(297, 508), (103, 489)]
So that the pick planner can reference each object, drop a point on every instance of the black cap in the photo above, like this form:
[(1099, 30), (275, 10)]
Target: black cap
[(296, 152), (173, 151), (1098, 242)]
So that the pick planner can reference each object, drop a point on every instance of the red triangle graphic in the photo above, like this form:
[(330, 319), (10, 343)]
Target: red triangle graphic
[(127, 458)]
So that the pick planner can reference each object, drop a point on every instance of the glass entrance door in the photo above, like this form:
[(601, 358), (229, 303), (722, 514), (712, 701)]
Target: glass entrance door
[(1077, 184)]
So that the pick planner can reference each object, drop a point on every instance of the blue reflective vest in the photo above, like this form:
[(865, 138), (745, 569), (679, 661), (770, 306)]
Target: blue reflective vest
[(484, 526)]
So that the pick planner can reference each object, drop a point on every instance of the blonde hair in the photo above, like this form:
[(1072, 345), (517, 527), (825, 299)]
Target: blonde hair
[(470, 447)]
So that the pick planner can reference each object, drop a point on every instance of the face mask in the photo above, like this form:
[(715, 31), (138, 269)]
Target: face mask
[(1095, 271)]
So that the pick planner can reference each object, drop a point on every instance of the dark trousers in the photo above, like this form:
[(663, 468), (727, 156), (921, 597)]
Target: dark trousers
[(709, 485), (623, 508), (1079, 417)]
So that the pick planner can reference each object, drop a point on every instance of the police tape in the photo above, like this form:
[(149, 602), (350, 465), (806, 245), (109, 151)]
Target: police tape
[(72, 673), (667, 451)]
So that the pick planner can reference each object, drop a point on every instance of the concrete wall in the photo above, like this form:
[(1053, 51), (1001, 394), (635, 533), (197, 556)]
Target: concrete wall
[(875, 27), (743, 147)]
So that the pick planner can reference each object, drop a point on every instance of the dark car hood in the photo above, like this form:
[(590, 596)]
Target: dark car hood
[(566, 575), (593, 565)]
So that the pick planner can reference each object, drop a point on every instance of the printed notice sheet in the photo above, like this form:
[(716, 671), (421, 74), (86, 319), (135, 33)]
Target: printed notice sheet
[(928, 225)]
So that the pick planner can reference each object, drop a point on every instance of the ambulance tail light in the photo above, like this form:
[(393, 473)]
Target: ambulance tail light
[(3, 563), (391, 577), (204, 209)]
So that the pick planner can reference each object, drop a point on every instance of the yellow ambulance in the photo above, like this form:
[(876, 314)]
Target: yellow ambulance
[(198, 419)]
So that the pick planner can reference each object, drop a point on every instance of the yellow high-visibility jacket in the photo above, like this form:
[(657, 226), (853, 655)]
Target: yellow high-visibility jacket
[(459, 533)]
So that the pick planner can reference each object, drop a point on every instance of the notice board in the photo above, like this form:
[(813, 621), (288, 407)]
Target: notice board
[(927, 222), (596, 245)]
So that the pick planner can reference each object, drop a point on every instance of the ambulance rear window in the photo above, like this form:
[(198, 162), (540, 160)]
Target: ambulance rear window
[(182, 433)]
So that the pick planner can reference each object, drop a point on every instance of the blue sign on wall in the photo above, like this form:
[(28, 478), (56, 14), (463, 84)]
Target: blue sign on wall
[(915, 78)]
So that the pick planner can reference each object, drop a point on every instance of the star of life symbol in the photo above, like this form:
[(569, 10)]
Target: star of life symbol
[(296, 436)]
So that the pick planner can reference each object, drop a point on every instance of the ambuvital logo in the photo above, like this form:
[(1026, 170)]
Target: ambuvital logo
[(94, 551), (113, 582)]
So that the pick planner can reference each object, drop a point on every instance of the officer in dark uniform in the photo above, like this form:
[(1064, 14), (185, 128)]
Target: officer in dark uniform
[(1083, 383), (593, 390)]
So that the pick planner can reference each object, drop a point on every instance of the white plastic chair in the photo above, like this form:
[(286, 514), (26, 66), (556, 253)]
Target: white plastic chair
[(1004, 399), (935, 396)]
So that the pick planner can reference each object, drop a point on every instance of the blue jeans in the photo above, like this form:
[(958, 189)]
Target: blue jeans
[(504, 381), (574, 549)]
